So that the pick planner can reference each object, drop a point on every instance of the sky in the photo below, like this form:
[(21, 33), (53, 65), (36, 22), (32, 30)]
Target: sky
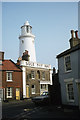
[(51, 24)]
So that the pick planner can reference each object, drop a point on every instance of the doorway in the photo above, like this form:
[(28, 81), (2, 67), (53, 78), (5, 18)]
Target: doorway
[(27, 91), (17, 93)]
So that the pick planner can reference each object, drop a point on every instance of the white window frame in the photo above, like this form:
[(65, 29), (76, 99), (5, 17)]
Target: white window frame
[(65, 64), (32, 74), (33, 90), (43, 75), (7, 73), (9, 91), (67, 82)]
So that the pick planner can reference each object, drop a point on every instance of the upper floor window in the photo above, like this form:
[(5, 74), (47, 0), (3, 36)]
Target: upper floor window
[(43, 75), (32, 74), (9, 76), (67, 63), (38, 73)]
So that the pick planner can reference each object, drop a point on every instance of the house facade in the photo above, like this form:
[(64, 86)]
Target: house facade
[(69, 75), (36, 78), (11, 77)]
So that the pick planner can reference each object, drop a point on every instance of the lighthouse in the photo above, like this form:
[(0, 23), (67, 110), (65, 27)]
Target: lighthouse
[(36, 76), (26, 42)]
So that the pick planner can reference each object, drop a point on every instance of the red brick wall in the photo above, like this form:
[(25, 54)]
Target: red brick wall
[(16, 83)]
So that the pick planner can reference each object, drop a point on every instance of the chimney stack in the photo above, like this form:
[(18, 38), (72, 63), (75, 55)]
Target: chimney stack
[(76, 34), (54, 70), (72, 33), (1, 55)]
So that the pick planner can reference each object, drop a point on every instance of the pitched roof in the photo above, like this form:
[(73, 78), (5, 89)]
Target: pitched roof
[(77, 47), (9, 65)]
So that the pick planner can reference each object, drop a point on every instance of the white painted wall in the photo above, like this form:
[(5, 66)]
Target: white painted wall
[(24, 82), (27, 42)]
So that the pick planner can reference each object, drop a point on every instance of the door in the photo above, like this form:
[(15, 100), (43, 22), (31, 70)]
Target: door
[(27, 91), (17, 93)]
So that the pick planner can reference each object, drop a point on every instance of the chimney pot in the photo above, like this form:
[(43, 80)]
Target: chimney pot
[(76, 34), (72, 33)]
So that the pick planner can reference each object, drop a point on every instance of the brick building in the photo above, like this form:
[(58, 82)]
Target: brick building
[(11, 79)]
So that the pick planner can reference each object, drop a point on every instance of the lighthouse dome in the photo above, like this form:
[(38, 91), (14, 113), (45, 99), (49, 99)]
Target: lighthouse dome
[(26, 23)]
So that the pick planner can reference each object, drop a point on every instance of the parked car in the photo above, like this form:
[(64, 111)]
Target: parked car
[(43, 98)]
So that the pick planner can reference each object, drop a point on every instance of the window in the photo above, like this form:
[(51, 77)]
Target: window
[(38, 73), (44, 86), (28, 76), (32, 74), (33, 89), (9, 76), (70, 93), (67, 63), (22, 41), (0, 62), (43, 75), (9, 92), (27, 28)]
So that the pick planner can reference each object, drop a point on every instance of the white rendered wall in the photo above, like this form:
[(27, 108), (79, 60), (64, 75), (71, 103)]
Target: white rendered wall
[(27, 44), (24, 82)]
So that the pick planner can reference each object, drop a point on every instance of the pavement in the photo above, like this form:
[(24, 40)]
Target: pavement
[(15, 101)]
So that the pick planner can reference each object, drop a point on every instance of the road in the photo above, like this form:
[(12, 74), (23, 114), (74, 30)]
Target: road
[(26, 110)]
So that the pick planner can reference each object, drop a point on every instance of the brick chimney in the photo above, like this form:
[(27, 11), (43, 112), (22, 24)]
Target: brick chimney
[(25, 56), (76, 34), (74, 39), (72, 33), (1, 55)]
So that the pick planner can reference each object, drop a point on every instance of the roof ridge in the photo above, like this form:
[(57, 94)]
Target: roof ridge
[(15, 64)]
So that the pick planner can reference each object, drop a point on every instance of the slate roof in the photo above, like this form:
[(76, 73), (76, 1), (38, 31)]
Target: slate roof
[(68, 51)]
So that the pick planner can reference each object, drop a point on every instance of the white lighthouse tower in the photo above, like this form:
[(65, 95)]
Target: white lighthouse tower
[(27, 42)]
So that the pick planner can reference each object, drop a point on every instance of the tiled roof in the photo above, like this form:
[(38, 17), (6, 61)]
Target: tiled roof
[(9, 65)]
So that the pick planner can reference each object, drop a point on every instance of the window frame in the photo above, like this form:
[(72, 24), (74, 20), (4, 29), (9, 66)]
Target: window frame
[(7, 76), (33, 90), (38, 74), (43, 75), (9, 92), (32, 74), (68, 93), (65, 63)]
